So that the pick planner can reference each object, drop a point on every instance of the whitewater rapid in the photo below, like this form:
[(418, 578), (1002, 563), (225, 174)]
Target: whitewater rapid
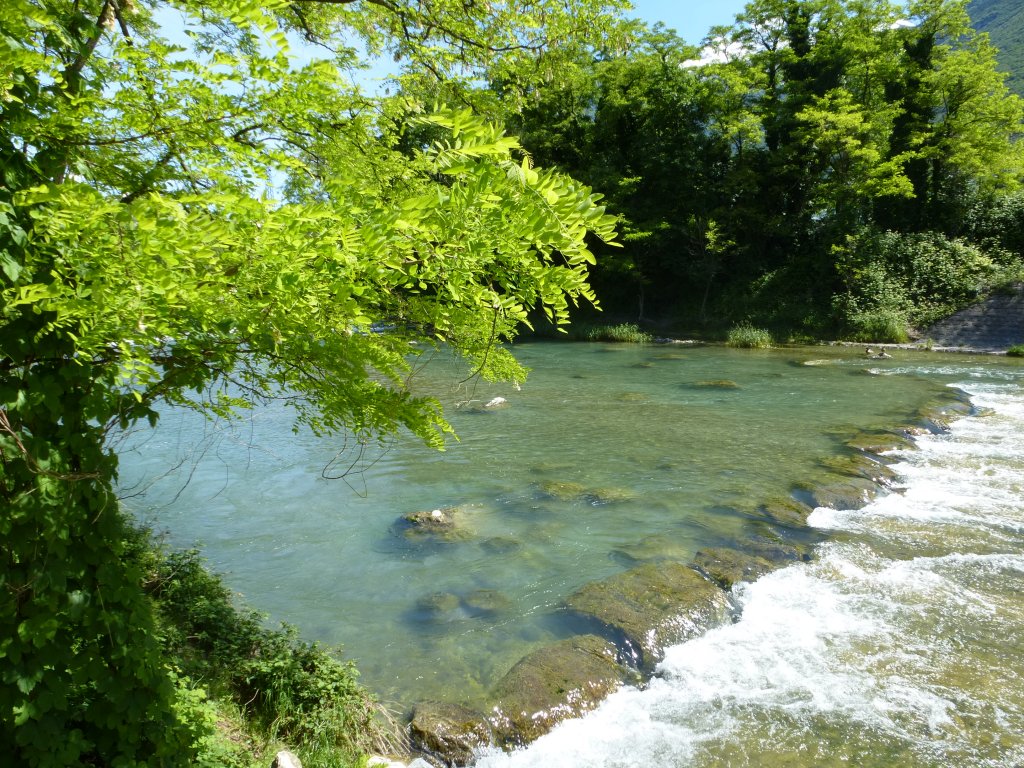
[(901, 644)]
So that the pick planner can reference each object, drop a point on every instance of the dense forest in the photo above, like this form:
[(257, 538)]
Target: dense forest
[(824, 168), (208, 223)]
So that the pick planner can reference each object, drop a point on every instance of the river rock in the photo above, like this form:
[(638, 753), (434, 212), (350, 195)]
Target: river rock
[(863, 466), (726, 566), (448, 731), (486, 603), (556, 682), (651, 607), (440, 524), (773, 549), (844, 493), (652, 549), (562, 491), (789, 513), (717, 384), (879, 443)]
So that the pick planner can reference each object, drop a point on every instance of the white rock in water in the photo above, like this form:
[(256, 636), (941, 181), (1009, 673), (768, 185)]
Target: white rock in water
[(496, 402), (437, 514)]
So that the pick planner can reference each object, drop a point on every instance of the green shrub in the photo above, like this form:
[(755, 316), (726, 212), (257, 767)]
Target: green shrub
[(881, 325), (920, 278), (1016, 351), (747, 336), (282, 687), (624, 332)]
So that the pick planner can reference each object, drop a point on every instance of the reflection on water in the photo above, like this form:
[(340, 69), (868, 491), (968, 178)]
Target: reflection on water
[(608, 456)]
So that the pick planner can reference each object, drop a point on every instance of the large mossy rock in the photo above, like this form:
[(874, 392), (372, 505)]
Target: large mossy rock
[(445, 524), (861, 465), (449, 732), (727, 566), (844, 493), (652, 607), (556, 682)]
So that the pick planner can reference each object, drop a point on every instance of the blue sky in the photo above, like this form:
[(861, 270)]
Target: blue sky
[(690, 18)]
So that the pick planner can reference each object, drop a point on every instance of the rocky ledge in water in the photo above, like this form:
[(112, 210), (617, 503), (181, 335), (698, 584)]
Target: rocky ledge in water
[(651, 607), (637, 614)]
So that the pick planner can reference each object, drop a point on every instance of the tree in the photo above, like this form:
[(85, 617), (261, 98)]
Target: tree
[(145, 261)]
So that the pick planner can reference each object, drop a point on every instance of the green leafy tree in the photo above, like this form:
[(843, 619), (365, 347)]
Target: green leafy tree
[(145, 260)]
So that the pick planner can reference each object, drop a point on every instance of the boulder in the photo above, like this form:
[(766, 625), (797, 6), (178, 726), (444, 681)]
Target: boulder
[(442, 524), (786, 512), (651, 607), (554, 683), (844, 493), (447, 731), (863, 466), (727, 566), (485, 603)]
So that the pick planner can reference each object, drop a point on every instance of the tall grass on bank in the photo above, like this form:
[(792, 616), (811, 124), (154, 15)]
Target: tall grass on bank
[(246, 688), (629, 333), (746, 336)]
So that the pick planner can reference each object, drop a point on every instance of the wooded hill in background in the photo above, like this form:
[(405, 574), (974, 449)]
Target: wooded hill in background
[(818, 168), (1003, 20)]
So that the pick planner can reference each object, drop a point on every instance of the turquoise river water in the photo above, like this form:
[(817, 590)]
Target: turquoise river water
[(900, 644)]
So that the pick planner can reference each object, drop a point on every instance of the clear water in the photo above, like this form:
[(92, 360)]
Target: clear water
[(901, 644)]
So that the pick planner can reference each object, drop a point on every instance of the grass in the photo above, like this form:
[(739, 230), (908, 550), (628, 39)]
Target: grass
[(746, 336), (1017, 350), (629, 333)]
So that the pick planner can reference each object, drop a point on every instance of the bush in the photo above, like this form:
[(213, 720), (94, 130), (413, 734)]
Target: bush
[(283, 688), (624, 332), (892, 279), (881, 325), (1016, 351), (748, 337)]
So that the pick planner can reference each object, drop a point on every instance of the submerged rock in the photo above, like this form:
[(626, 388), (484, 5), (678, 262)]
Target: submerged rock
[(485, 603), (556, 682), (726, 566), (717, 384), (442, 524), (879, 443), (562, 491), (447, 731), (500, 545), (861, 465), (844, 493), (651, 549), (652, 607), (786, 512)]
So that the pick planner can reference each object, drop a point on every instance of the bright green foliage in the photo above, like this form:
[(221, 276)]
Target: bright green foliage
[(629, 333), (1016, 351), (819, 119), (287, 690), (144, 260)]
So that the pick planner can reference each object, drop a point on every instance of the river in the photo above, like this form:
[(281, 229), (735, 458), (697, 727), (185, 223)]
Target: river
[(900, 643)]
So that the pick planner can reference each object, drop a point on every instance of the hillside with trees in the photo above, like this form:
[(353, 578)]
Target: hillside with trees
[(836, 168), (1003, 20)]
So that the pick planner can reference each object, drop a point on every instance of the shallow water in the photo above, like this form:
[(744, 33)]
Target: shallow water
[(902, 644), (671, 449)]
